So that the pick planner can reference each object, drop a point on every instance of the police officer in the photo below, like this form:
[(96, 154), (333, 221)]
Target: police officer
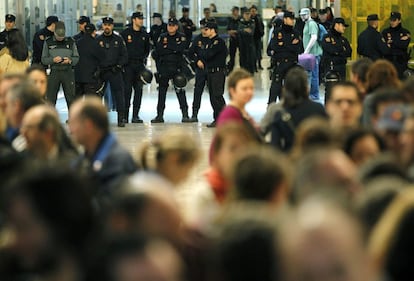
[(197, 54), (9, 24), (257, 36), (215, 59), (284, 48), (61, 54), (336, 48), (112, 65), (90, 55), (245, 34), (137, 41), (187, 24), (82, 22), (398, 38), (232, 28), (371, 44), (41, 36), (169, 51), (157, 28)]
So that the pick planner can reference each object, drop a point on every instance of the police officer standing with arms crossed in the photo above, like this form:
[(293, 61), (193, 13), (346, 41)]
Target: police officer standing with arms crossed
[(197, 53), (284, 48), (398, 38), (137, 42), (112, 65), (232, 31), (61, 54), (41, 36), (245, 34), (336, 48), (10, 24), (371, 44), (169, 52), (187, 24), (215, 58)]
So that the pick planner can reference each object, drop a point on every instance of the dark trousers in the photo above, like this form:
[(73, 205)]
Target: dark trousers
[(200, 82), (85, 89), (66, 78), (247, 56), (215, 83), (278, 75), (162, 94), (131, 79), (234, 44), (258, 47), (117, 89)]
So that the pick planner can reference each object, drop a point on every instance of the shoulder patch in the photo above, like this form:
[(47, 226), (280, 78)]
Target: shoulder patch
[(215, 42), (328, 39), (183, 38), (42, 37)]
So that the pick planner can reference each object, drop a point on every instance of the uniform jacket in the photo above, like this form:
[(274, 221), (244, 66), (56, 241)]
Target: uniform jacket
[(336, 48), (90, 54), (245, 36), (216, 53), (197, 50), (281, 45), (170, 48), (371, 44), (3, 39), (259, 27), (8, 64), (38, 41), (115, 50), (137, 44), (399, 39), (233, 25), (188, 27), (79, 36), (66, 48), (156, 31)]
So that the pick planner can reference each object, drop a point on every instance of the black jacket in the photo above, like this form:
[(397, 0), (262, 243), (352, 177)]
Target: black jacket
[(336, 48), (282, 45), (38, 41), (115, 50), (371, 44), (399, 39), (137, 44), (90, 54)]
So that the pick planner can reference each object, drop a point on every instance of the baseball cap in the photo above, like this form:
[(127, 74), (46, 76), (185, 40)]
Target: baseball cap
[(60, 29), (51, 19), (304, 11), (395, 16), (83, 19), (340, 20), (10, 18), (372, 17), (108, 20), (172, 21), (392, 118), (289, 14), (139, 15), (89, 28)]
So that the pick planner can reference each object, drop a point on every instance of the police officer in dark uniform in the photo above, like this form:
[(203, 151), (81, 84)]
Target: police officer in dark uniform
[(10, 24), (245, 34), (82, 21), (187, 24), (336, 48), (197, 54), (215, 58), (284, 48), (41, 36), (371, 44), (169, 51), (90, 55), (258, 34), (232, 28), (159, 27), (61, 54), (111, 67), (137, 41), (398, 38)]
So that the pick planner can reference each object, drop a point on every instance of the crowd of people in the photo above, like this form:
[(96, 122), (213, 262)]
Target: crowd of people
[(312, 192)]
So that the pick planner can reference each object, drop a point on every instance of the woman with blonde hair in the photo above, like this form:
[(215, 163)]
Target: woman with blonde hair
[(172, 155)]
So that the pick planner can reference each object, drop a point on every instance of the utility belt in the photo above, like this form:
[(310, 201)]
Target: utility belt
[(216, 69), (114, 68)]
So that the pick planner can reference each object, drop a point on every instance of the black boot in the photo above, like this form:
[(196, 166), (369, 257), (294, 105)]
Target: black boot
[(159, 118), (135, 117), (185, 118), (194, 116), (121, 119)]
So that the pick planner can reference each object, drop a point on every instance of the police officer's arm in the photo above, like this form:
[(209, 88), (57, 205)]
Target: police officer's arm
[(347, 49), (47, 58), (402, 42), (381, 45), (123, 56), (295, 45), (191, 50), (270, 47), (329, 47), (147, 45), (193, 27)]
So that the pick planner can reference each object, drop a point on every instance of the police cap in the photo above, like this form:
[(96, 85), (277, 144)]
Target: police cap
[(340, 20), (83, 19), (138, 15), (156, 15), (108, 20), (395, 16), (244, 10), (51, 19), (10, 18), (172, 21), (89, 28), (372, 17), (185, 9), (211, 25), (289, 14), (235, 8)]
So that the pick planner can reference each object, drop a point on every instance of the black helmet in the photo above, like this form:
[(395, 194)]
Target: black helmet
[(145, 76), (180, 81)]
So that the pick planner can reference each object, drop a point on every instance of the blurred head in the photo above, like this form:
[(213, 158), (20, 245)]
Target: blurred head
[(359, 71), (107, 25), (241, 86), (7, 82), (137, 20), (82, 22), (344, 105), (395, 19), (37, 74), (235, 12), (16, 45), (339, 25), (173, 155), (382, 73), (406, 139), (304, 14), (172, 26), (10, 22), (60, 31), (373, 20), (206, 12), (296, 89), (246, 14)]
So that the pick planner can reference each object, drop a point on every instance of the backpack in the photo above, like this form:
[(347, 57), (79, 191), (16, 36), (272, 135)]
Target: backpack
[(321, 32), (282, 131)]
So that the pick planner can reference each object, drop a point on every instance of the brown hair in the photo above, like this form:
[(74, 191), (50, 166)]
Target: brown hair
[(237, 75), (93, 109), (380, 74)]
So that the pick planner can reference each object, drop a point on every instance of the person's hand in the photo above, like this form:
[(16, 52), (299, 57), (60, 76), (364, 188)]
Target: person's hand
[(200, 64), (295, 41), (57, 59), (248, 30), (66, 60)]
